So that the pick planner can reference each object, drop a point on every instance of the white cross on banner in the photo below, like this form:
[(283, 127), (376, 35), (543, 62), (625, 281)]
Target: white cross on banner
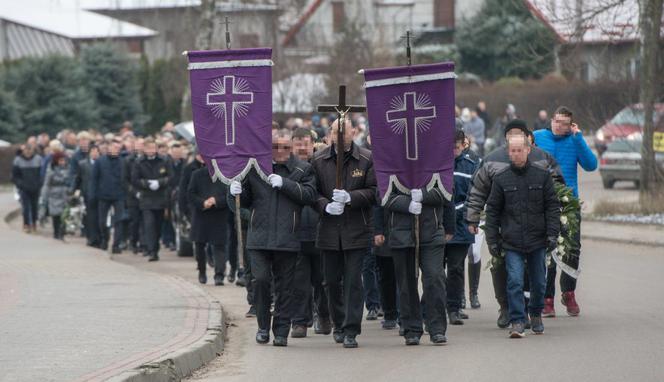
[(229, 93)]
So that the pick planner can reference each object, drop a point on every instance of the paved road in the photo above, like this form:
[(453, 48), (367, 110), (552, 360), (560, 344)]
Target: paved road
[(69, 313)]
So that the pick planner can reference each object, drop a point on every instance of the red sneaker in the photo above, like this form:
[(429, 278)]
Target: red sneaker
[(549, 310), (570, 302)]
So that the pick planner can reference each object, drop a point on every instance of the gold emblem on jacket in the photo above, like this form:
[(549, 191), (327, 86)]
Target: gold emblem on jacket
[(357, 173), (162, 170)]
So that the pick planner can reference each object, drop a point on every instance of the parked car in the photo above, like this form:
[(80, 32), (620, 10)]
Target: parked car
[(622, 161), (628, 122)]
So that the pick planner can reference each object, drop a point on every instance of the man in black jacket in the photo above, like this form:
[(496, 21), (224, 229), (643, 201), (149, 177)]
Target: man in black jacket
[(523, 221), (345, 230), (493, 163), (272, 237), (132, 225), (150, 177), (436, 226), (82, 183), (308, 270), (107, 189), (26, 176)]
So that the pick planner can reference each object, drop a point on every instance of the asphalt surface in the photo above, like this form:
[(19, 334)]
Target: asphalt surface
[(68, 313)]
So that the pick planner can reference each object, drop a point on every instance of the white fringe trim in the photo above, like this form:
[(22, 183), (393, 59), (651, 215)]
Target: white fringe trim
[(394, 182), (228, 64), (409, 79), (252, 163)]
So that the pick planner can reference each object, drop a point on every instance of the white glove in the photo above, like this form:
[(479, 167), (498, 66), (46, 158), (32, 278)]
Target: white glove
[(236, 188), (276, 181), (153, 184), (334, 208), (341, 196), (416, 195), (415, 208)]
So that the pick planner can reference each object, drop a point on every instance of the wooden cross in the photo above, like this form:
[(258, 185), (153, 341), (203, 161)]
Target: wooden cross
[(341, 109), (407, 37), (228, 34)]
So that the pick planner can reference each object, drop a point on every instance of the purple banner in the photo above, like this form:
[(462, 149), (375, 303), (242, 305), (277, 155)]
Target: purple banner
[(411, 119), (231, 102)]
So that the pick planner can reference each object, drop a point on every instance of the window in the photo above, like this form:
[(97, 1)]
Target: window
[(338, 16)]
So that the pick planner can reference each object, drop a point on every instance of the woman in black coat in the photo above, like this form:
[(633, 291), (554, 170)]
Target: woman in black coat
[(209, 222)]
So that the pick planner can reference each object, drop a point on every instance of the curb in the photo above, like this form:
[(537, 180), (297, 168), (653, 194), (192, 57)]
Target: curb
[(622, 241), (182, 363)]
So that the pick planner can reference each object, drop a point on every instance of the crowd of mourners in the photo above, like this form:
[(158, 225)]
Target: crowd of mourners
[(317, 256)]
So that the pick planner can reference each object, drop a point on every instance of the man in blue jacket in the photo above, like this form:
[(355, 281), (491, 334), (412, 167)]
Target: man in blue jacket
[(566, 144), (107, 190)]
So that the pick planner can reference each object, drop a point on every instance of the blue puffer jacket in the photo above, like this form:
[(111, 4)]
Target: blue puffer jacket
[(568, 150), (107, 179), (465, 166)]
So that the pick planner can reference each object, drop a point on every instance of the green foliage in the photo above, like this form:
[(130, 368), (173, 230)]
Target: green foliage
[(50, 94), (505, 40), (111, 77), (162, 84), (10, 120)]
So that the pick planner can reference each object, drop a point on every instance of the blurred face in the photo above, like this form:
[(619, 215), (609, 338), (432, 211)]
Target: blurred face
[(176, 152), (62, 162), (94, 153), (481, 105), (84, 144), (303, 148), (561, 124), (281, 149), (44, 139), (138, 146), (28, 151), (349, 133), (129, 145), (459, 146), (163, 150), (518, 151), (150, 149), (115, 148), (543, 115), (32, 141)]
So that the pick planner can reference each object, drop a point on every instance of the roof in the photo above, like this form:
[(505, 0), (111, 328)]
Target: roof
[(599, 21), (226, 6), (64, 18)]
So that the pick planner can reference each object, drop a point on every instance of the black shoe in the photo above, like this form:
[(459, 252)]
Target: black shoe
[(503, 319), (154, 257), (251, 312), (537, 325), (455, 319), (280, 341), (338, 337), (350, 342), (298, 331), (116, 250), (103, 246), (438, 339), (517, 330), (241, 281), (463, 314), (262, 336), (219, 280), (372, 315), (202, 278), (526, 324), (322, 326), (231, 276), (475, 301), (411, 341), (389, 324)]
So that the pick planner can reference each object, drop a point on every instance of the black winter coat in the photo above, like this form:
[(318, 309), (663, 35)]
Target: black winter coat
[(207, 225), (82, 178), (185, 178), (107, 179), (274, 221), (152, 169), (353, 229), (436, 220), (26, 173), (523, 211)]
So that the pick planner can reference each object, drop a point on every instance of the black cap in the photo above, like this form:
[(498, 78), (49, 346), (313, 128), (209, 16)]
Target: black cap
[(517, 124)]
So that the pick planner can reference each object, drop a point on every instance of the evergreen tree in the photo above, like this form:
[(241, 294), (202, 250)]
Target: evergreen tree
[(10, 120), (505, 40)]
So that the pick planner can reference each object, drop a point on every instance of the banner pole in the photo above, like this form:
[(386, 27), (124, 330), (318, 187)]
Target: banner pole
[(238, 225)]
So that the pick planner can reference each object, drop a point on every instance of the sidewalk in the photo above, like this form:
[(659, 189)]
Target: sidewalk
[(638, 234), (68, 313)]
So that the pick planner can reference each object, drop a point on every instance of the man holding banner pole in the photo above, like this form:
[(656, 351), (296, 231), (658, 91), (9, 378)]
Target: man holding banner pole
[(411, 114)]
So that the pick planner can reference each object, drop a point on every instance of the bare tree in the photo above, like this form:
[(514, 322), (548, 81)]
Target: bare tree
[(650, 21)]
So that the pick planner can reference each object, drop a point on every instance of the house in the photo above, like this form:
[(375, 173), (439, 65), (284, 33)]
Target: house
[(596, 40), (252, 24), (36, 28)]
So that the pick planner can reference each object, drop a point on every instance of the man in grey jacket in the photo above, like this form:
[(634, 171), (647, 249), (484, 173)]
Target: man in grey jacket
[(272, 236)]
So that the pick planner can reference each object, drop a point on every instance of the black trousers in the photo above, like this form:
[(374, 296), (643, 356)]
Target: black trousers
[(455, 260), (308, 291), (342, 271), (58, 227), (92, 233), (499, 279), (104, 206), (474, 271), (231, 239), (30, 206), (152, 229), (265, 266), (387, 283), (567, 283), (133, 225), (219, 254), (433, 286)]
